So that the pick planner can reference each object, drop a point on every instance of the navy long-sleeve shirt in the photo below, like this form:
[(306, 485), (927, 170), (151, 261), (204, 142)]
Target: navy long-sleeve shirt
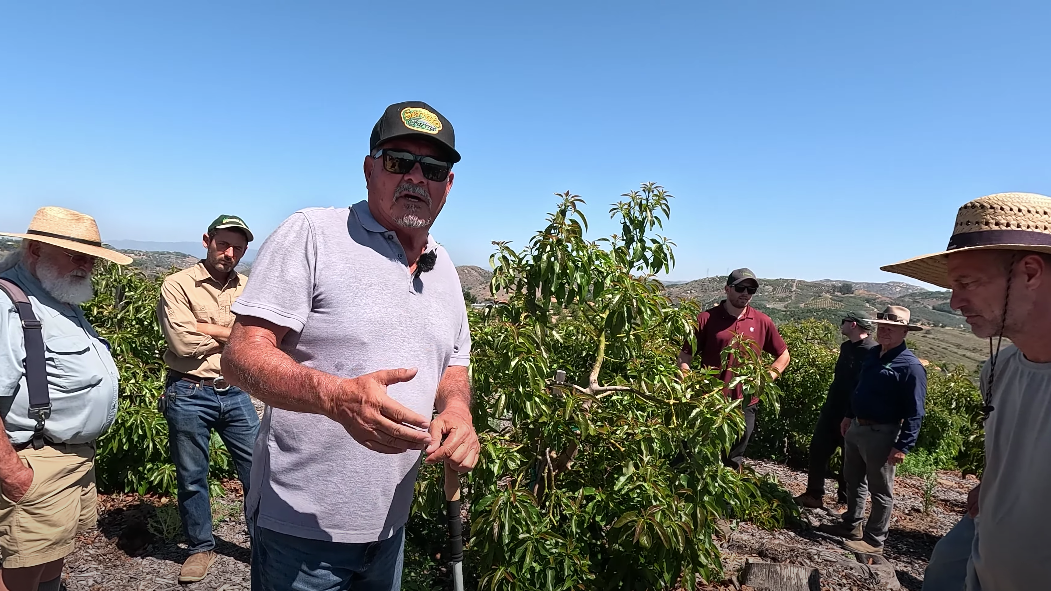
[(892, 388)]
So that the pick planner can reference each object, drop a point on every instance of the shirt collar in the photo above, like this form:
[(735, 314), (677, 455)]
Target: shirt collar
[(201, 274), (31, 285), (361, 211), (364, 216), (893, 352)]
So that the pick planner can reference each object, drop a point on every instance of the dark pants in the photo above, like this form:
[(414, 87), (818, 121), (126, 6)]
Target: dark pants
[(823, 444), (281, 562), (192, 412), (735, 459)]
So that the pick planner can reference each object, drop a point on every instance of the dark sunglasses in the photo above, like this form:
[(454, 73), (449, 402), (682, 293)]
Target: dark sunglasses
[(744, 288), (891, 317), (401, 162)]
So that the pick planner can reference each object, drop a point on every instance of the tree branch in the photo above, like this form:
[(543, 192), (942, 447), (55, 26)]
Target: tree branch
[(599, 358)]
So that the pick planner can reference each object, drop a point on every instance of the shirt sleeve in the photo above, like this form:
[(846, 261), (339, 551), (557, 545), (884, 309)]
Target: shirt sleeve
[(280, 287), (12, 348), (914, 396), (179, 325), (774, 345)]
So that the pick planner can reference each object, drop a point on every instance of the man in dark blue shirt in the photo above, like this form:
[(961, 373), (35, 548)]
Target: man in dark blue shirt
[(881, 425)]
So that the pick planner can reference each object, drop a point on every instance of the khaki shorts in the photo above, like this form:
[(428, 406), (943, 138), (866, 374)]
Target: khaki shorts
[(60, 503)]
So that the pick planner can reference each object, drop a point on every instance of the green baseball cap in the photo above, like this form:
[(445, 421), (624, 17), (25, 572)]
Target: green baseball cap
[(230, 221)]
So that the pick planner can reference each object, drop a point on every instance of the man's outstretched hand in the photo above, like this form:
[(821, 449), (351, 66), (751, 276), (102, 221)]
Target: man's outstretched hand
[(453, 440), (373, 418)]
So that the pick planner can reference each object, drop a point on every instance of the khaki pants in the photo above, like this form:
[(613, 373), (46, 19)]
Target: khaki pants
[(60, 503)]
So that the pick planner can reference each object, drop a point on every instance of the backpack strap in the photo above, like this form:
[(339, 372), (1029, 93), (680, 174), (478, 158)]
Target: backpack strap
[(35, 365)]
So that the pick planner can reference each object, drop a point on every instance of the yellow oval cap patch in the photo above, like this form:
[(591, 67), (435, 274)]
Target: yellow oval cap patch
[(422, 120)]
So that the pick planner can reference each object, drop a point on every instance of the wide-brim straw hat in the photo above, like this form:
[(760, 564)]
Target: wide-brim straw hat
[(896, 316), (70, 230), (1004, 221)]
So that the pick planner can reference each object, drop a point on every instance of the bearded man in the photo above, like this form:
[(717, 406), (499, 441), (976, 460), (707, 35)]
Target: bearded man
[(47, 452), (353, 330)]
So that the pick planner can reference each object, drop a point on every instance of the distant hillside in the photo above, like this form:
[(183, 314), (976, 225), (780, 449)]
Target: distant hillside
[(150, 262), (947, 338), (475, 280), (195, 248)]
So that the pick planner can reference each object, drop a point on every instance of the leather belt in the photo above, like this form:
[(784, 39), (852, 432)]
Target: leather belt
[(868, 423), (185, 377), (218, 384), (47, 443)]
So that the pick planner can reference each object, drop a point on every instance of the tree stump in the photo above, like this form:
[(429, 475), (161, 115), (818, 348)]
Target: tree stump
[(772, 576)]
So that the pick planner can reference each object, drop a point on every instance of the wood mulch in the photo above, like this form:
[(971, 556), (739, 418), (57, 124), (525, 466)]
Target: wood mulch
[(912, 536), (123, 554)]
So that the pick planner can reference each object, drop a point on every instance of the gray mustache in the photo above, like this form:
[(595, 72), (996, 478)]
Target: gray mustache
[(411, 189)]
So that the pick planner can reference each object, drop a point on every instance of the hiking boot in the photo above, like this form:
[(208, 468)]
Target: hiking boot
[(863, 547), (841, 530), (196, 567), (809, 501)]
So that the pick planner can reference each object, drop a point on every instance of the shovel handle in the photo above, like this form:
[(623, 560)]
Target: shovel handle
[(452, 508)]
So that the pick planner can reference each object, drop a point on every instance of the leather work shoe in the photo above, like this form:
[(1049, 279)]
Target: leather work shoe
[(811, 502), (840, 530), (862, 547), (196, 567)]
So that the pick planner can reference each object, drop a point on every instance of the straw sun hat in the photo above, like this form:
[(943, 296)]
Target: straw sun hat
[(1004, 221), (70, 230)]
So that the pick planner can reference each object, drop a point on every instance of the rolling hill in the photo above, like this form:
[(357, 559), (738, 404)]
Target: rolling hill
[(946, 337)]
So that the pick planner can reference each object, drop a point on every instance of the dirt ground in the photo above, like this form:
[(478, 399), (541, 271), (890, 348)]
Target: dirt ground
[(124, 554)]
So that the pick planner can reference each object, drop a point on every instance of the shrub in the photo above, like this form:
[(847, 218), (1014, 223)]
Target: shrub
[(133, 454), (951, 433), (814, 346), (600, 468)]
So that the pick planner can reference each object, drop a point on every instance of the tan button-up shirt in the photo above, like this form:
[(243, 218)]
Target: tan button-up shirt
[(188, 297)]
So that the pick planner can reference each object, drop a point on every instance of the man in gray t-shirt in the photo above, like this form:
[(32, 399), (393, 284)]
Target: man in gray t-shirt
[(998, 265), (353, 329)]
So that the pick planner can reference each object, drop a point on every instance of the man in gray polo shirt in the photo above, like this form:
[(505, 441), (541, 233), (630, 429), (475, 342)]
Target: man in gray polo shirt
[(353, 329)]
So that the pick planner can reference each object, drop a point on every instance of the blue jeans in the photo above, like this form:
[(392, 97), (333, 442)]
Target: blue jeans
[(947, 569), (192, 412), (281, 562)]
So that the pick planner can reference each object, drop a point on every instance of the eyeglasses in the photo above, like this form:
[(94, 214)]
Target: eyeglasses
[(891, 317), (401, 162), (80, 260), (744, 288)]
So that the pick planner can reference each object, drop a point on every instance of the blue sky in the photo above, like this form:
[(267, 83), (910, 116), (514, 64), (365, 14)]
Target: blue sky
[(801, 139)]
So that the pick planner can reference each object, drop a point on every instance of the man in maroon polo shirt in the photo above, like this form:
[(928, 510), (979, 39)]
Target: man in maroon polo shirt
[(717, 326)]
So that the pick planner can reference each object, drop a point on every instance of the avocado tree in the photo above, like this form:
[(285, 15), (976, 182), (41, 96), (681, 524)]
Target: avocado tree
[(600, 464)]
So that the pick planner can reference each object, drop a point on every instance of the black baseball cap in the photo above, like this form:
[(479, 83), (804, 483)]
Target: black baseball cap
[(739, 275), (862, 319), (415, 118), (230, 221)]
